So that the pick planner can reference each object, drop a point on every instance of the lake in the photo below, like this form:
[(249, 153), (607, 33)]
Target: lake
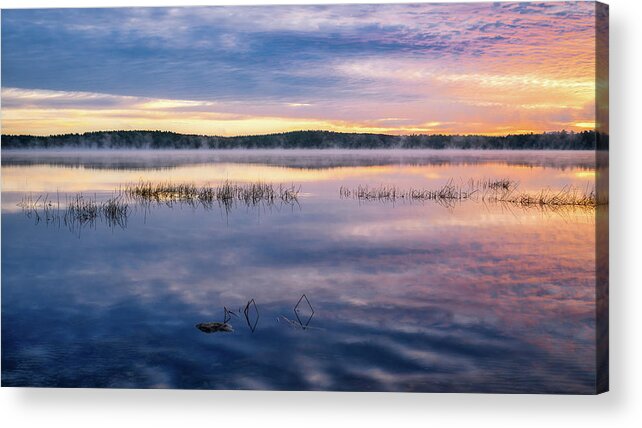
[(403, 295)]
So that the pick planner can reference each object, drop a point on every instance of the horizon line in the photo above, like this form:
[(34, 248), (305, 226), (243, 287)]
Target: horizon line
[(303, 130)]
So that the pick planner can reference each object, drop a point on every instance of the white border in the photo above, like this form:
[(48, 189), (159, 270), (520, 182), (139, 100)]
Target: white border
[(620, 407)]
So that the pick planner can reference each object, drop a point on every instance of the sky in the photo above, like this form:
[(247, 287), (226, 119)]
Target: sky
[(456, 68)]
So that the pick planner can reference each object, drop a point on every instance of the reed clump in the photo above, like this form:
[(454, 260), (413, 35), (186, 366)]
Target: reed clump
[(41, 208), (390, 193), (78, 210), (501, 190), (225, 193), (115, 211), (82, 209), (568, 196), (492, 185)]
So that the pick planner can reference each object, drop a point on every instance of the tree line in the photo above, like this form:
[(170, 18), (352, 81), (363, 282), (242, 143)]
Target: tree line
[(560, 140)]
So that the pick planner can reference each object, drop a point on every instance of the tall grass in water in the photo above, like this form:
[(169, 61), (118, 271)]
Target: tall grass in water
[(77, 211), (568, 196), (488, 190), (448, 194), (115, 211), (226, 193), (81, 211), (41, 208), (492, 185), (390, 193)]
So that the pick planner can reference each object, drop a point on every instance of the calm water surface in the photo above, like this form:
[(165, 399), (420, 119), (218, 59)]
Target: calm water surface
[(406, 296)]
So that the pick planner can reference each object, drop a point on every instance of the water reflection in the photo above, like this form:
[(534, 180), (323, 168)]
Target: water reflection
[(304, 311), (406, 297), (298, 159)]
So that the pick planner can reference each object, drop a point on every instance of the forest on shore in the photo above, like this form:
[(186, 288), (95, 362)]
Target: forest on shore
[(560, 140)]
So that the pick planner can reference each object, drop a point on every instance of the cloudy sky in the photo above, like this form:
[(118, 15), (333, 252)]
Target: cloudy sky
[(488, 68)]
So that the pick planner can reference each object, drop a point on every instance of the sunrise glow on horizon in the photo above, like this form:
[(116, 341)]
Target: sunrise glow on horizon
[(462, 68)]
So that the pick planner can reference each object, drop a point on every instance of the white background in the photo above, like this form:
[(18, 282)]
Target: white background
[(620, 407)]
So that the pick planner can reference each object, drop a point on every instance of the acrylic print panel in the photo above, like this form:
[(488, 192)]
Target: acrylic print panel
[(403, 197)]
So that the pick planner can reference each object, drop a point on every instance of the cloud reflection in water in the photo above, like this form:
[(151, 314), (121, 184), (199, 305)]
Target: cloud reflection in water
[(410, 297)]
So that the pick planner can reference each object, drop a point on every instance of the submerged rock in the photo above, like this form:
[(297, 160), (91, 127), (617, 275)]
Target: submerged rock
[(214, 327)]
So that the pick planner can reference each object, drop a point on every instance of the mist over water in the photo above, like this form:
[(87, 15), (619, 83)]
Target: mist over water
[(308, 158), (406, 296)]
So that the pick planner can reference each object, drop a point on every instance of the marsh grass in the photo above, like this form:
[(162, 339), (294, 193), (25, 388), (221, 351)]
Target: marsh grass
[(504, 191), (41, 208), (82, 209), (227, 193), (448, 194), (568, 196), (486, 185), (115, 211), (77, 211), (390, 193)]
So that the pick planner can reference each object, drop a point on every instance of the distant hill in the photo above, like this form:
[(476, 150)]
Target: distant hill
[(562, 140)]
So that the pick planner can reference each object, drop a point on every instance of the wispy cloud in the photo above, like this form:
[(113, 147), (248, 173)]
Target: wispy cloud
[(54, 112), (508, 66)]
